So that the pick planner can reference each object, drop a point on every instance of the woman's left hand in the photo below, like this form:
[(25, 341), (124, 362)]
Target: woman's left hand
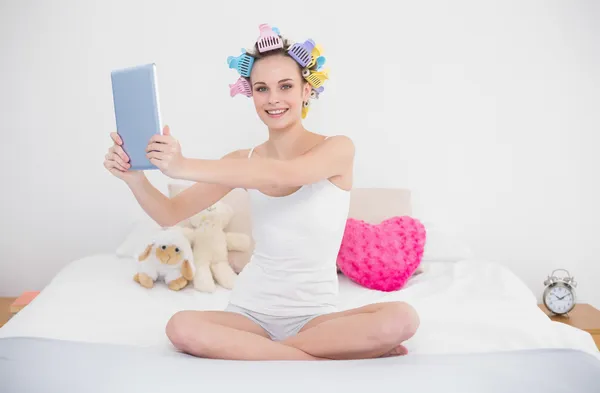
[(164, 151)]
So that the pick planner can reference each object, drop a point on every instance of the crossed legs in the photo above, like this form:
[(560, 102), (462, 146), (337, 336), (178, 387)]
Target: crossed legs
[(370, 331), (366, 332), (226, 335)]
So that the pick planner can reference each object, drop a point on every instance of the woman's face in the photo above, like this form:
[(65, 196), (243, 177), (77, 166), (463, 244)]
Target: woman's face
[(278, 90)]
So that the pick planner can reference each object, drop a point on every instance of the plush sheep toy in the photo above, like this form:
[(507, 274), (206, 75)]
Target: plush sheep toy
[(168, 257)]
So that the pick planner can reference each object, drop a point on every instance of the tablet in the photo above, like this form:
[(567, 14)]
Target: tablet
[(137, 112)]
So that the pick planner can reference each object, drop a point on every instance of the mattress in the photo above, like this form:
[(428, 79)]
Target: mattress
[(94, 329), (30, 365), (470, 306)]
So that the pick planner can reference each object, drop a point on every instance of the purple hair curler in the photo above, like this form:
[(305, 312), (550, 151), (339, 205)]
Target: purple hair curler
[(268, 39), (242, 63), (315, 93), (241, 86), (302, 53)]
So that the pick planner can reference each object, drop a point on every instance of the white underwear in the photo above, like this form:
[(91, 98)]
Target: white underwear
[(279, 328)]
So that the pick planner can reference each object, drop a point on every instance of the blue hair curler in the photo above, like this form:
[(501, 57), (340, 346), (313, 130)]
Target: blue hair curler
[(242, 63), (320, 62)]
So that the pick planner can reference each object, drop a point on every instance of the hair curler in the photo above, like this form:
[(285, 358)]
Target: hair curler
[(315, 93), (315, 78), (305, 108), (268, 39), (302, 53), (241, 86), (242, 63)]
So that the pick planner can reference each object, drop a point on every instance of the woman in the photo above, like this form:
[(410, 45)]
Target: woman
[(299, 182)]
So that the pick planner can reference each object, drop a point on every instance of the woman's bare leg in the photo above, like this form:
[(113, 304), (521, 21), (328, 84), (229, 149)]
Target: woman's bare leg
[(367, 332), (226, 335)]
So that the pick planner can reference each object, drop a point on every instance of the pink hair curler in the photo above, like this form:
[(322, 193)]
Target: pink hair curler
[(241, 86), (242, 63), (268, 39), (302, 53)]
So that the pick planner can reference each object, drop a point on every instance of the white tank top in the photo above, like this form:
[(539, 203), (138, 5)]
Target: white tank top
[(293, 269)]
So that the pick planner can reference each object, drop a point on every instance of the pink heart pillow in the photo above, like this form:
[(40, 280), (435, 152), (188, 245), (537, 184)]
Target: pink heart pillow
[(382, 256)]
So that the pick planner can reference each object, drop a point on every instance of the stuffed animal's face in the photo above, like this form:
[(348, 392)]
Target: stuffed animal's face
[(170, 246), (217, 215), (169, 254)]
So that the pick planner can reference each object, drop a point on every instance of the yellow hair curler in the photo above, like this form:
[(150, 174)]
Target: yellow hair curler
[(305, 108), (315, 78), (316, 52)]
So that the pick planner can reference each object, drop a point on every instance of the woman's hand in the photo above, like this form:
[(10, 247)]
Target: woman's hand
[(117, 161), (164, 151)]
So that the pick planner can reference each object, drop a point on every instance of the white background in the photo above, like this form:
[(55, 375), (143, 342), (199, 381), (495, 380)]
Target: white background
[(487, 111)]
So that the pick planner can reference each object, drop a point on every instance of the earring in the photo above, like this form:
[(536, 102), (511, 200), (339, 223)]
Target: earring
[(305, 108)]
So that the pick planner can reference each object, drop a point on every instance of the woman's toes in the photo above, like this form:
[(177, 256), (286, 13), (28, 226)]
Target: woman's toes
[(399, 350)]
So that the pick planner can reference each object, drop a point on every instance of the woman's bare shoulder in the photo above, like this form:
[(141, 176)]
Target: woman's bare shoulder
[(341, 143)]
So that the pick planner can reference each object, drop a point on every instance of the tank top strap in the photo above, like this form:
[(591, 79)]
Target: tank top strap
[(252, 149)]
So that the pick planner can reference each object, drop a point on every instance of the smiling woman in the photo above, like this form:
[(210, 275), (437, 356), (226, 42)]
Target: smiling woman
[(277, 70), (298, 182)]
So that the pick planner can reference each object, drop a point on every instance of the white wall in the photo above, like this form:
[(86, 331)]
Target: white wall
[(488, 111)]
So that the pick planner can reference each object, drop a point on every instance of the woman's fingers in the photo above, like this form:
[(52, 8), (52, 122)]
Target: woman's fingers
[(120, 161), (161, 147), (117, 161), (113, 165), (155, 162), (118, 150), (156, 138), (116, 138), (156, 155)]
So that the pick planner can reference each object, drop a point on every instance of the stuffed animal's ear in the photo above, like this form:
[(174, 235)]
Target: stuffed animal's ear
[(146, 253), (188, 233), (225, 214), (186, 270)]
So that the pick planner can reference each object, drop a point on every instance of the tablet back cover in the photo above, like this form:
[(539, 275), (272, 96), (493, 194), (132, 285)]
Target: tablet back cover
[(137, 112)]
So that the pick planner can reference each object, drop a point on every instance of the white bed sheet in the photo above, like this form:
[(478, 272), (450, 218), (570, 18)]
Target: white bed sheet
[(464, 307)]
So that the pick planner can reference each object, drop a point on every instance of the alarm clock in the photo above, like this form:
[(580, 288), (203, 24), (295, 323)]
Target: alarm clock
[(559, 295)]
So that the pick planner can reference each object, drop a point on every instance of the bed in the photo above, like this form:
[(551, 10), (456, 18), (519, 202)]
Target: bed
[(93, 329)]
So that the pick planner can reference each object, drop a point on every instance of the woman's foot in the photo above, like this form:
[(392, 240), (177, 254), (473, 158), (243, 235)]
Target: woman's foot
[(400, 350)]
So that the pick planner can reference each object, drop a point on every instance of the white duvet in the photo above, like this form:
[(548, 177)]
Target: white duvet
[(466, 306)]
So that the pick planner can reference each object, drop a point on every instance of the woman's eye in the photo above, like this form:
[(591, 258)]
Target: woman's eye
[(261, 88), (286, 86)]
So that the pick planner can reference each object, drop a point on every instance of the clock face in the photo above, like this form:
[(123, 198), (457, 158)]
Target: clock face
[(559, 299)]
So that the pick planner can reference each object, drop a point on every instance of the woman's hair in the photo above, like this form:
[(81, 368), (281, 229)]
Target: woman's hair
[(312, 75), (257, 55)]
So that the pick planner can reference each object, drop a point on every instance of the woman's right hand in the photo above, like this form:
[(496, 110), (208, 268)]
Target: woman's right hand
[(117, 161)]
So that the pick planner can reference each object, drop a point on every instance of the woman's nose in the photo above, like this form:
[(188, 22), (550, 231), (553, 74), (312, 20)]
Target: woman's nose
[(273, 98)]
